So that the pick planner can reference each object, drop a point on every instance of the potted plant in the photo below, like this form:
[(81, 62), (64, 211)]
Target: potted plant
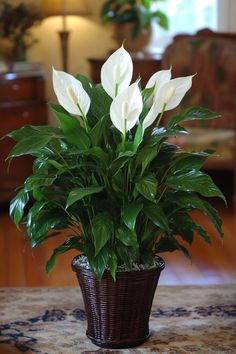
[(15, 24), (133, 21), (108, 174)]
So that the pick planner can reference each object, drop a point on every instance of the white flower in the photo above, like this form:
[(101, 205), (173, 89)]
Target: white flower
[(157, 80), (70, 93), (117, 72), (167, 97), (126, 108)]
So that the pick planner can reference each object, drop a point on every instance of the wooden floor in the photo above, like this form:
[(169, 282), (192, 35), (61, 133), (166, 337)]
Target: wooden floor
[(214, 264)]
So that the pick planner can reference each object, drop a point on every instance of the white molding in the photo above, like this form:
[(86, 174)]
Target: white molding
[(226, 15)]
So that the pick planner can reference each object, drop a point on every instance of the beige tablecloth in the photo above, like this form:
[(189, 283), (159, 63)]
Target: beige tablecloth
[(183, 320)]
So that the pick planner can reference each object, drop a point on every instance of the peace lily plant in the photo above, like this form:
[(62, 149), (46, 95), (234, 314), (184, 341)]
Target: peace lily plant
[(109, 175)]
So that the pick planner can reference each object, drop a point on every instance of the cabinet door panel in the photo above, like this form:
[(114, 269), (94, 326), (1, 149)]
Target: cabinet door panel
[(20, 167), (18, 89)]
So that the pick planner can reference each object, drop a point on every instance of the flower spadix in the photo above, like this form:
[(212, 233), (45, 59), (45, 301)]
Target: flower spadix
[(126, 108), (168, 96), (70, 93), (117, 72)]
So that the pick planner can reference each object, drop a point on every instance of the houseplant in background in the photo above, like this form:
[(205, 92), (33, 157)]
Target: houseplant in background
[(133, 21), (108, 175), (15, 24)]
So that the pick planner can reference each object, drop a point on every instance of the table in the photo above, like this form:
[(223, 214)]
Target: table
[(184, 319)]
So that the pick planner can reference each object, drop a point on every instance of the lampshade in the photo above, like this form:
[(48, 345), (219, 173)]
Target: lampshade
[(64, 7)]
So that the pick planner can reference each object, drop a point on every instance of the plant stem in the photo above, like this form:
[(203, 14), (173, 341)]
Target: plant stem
[(161, 115)]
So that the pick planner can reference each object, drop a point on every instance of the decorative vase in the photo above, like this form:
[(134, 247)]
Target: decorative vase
[(133, 45), (118, 312)]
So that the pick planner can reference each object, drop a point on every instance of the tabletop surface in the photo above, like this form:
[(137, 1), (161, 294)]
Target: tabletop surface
[(184, 319)]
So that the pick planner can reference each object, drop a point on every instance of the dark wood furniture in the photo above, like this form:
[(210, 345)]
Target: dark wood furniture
[(143, 67), (22, 101)]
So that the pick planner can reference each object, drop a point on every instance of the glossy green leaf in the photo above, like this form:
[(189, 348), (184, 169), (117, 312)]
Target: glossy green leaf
[(193, 113), (127, 237), (145, 156), (99, 129), (112, 264), (86, 83), (102, 230), (188, 161), (170, 244), (100, 102), (130, 212), (157, 216), (147, 186), (100, 262), (72, 243), (39, 180), (79, 193), (191, 201), (195, 181), (29, 145), (32, 130), (72, 129), (17, 206), (138, 137)]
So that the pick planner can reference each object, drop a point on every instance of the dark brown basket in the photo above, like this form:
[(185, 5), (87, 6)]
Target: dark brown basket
[(118, 312)]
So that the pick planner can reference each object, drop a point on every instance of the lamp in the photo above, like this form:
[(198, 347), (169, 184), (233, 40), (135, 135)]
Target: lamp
[(64, 8)]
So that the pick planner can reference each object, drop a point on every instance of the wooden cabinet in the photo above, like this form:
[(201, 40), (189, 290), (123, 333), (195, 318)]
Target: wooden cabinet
[(143, 67), (22, 101)]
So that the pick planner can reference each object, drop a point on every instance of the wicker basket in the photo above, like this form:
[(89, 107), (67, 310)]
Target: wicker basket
[(118, 312)]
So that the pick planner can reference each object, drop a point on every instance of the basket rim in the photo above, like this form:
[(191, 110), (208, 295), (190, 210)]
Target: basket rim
[(160, 267)]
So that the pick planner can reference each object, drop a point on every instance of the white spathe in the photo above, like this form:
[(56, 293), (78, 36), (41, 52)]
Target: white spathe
[(126, 108), (168, 96), (70, 93), (117, 72), (156, 81)]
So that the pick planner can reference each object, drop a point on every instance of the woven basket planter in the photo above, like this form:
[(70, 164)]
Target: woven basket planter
[(118, 312)]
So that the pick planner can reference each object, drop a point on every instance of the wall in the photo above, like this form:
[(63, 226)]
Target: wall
[(88, 38)]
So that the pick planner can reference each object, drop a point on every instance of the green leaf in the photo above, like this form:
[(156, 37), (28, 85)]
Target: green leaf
[(97, 132), (39, 180), (72, 243), (188, 161), (80, 193), (195, 181), (130, 212), (100, 102), (146, 155), (183, 225), (155, 213), (17, 206), (86, 83), (127, 237), (138, 137), (121, 161), (170, 244), (191, 201), (202, 233), (193, 113), (100, 262), (97, 154), (127, 255), (112, 264), (147, 186), (72, 129), (29, 145), (43, 221), (102, 230), (32, 130)]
